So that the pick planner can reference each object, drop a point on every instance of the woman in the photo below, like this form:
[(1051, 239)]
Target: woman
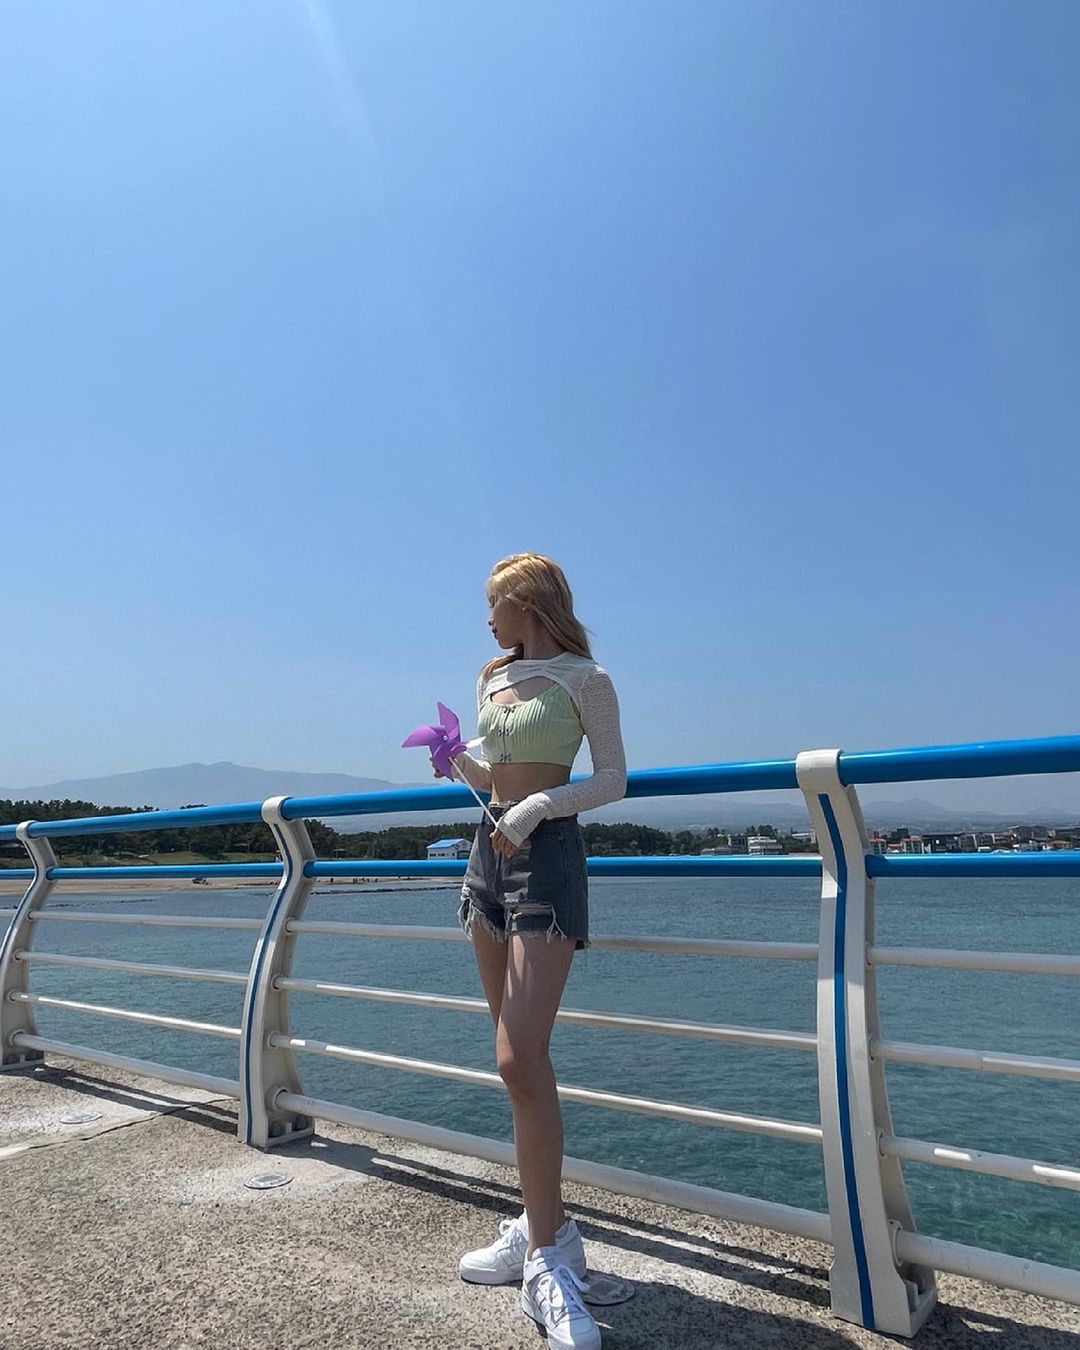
[(524, 904)]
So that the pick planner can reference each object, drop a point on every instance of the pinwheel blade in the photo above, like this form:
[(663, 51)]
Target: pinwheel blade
[(450, 723), (424, 736)]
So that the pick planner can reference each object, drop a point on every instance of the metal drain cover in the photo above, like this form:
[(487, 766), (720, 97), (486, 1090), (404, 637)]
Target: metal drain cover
[(266, 1181), (80, 1117), (603, 1290)]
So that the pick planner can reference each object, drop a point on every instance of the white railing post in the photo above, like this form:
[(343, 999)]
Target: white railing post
[(15, 975), (868, 1202), (267, 1070)]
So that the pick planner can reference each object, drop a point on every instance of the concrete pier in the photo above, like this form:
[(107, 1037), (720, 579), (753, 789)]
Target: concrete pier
[(136, 1230)]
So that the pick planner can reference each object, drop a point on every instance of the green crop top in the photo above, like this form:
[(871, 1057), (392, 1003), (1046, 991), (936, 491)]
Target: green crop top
[(544, 729)]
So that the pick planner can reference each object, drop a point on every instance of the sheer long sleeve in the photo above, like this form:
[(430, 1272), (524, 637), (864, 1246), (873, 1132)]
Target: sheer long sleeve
[(600, 721)]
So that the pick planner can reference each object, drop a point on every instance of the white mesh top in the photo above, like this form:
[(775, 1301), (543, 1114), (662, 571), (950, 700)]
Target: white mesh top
[(590, 687)]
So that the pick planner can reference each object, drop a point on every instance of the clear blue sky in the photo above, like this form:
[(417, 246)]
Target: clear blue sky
[(761, 318)]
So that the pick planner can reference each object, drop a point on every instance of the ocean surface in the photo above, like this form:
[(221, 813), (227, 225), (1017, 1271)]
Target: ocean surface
[(1032, 1014)]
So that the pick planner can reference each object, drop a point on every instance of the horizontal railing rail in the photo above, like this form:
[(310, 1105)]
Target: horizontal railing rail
[(127, 1015), (656, 1026), (882, 1272), (980, 759), (128, 967), (1060, 863)]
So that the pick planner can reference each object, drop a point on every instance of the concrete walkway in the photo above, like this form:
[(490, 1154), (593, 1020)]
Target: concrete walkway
[(136, 1230)]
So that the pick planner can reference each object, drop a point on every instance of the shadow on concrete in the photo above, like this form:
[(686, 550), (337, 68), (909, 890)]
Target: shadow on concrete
[(954, 1325), (655, 1240), (660, 1314), (218, 1115), (664, 1314)]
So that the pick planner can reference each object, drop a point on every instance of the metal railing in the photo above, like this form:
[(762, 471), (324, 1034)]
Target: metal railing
[(882, 1274)]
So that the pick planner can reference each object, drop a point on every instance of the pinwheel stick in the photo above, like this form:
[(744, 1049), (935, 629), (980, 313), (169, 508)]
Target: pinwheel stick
[(443, 740), (474, 793)]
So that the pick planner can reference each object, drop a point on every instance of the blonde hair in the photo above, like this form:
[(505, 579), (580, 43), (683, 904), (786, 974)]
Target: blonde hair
[(539, 586)]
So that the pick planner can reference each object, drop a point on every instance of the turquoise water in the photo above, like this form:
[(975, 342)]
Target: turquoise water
[(1030, 1014)]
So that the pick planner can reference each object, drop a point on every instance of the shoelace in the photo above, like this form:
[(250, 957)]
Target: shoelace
[(561, 1287), (513, 1238), (514, 1226)]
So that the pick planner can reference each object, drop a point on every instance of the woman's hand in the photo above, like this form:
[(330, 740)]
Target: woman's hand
[(502, 843)]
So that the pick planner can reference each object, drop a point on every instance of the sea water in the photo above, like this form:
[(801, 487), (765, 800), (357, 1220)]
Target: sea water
[(1029, 1014)]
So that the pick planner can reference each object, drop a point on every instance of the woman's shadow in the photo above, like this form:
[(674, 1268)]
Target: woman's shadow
[(665, 1315)]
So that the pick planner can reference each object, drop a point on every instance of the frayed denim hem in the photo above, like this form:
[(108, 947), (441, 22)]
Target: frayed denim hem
[(551, 933), (468, 913)]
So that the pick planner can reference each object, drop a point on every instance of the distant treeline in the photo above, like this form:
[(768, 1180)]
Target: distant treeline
[(220, 841)]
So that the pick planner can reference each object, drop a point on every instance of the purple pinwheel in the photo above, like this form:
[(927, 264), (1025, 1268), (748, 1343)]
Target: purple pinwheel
[(444, 741)]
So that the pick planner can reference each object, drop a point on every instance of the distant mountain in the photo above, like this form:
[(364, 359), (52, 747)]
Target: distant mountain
[(223, 782), (212, 784)]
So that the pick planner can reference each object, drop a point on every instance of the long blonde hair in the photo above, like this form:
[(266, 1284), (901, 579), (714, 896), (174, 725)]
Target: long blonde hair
[(539, 586)]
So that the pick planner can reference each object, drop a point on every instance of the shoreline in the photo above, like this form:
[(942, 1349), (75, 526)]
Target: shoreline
[(16, 887)]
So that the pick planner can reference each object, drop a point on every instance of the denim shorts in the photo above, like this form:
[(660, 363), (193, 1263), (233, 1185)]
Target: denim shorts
[(541, 890)]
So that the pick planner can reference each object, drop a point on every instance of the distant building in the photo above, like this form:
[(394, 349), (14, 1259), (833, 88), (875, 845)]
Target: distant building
[(1021, 832), (716, 849), (759, 844), (448, 848), (952, 842)]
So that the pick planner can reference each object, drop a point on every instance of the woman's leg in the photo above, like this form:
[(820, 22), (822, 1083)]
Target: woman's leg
[(491, 963), (536, 972)]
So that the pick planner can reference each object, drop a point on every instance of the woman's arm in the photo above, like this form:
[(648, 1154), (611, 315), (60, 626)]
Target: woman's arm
[(476, 772), (600, 721)]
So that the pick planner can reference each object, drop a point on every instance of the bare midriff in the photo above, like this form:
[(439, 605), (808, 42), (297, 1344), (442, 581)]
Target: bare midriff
[(512, 782)]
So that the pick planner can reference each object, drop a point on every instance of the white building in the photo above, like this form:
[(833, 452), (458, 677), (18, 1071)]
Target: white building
[(448, 848), (758, 844)]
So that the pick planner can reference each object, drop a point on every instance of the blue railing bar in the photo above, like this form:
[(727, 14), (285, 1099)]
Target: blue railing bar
[(741, 776), (17, 873), (796, 865), (187, 818), (152, 873), (686, 780), (692, 866), (1062, 863), (457, 798), (739, 865), (1052, 754), (980, 759)]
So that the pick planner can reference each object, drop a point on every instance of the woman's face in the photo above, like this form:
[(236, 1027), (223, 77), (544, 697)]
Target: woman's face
[(506, 621)]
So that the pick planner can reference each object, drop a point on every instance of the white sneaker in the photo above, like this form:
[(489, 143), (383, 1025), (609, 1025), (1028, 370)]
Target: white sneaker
[(550, 1296), (504, 1261)]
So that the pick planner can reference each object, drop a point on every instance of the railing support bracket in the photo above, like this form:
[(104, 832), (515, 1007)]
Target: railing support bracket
[(266, 1070), (15, 975), (868, 1201)]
